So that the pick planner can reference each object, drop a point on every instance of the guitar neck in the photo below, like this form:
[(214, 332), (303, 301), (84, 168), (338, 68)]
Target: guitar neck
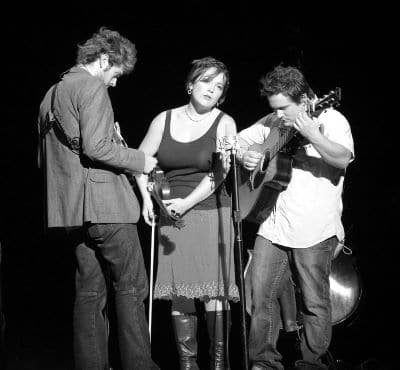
[(279, 137), (284, 137)]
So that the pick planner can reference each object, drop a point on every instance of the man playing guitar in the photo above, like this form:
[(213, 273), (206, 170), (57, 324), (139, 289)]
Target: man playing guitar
[(300, 234)]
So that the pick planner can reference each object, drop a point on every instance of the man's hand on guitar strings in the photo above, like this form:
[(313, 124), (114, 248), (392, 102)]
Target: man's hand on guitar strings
[(307, 126), (251, 159)]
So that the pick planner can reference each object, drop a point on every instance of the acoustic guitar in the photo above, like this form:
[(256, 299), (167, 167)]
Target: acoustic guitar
[(259, 189)]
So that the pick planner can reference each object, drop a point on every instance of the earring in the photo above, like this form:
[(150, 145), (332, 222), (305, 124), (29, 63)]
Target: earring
[(189, 90)]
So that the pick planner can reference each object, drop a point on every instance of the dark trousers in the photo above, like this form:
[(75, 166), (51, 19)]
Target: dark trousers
[(270, 273), (116, 246)]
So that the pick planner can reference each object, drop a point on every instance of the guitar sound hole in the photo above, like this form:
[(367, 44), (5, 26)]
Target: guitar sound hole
[(264, 162), (258, 180)]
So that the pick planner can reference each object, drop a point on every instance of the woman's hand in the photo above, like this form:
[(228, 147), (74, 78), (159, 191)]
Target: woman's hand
[(176, 207), (148, 211)]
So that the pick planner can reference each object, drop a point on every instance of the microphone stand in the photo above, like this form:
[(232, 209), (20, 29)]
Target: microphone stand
[(231, 144)]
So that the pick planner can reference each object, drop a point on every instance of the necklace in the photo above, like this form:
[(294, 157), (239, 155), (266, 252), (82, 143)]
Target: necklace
[(196, 120)]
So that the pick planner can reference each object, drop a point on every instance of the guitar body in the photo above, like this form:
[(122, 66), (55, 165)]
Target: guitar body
[(259, 189)]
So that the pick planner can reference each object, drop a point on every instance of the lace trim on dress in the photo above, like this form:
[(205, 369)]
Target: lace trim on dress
[(204, 291)]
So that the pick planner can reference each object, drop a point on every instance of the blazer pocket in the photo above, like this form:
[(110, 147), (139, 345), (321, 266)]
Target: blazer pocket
[(100, 176)]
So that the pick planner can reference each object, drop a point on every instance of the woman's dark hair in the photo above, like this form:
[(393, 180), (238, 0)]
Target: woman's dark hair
[(288, 81), (199, 66), (121, 52)]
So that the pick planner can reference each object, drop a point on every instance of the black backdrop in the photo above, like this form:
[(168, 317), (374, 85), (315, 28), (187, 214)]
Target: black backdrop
[(334, 48)]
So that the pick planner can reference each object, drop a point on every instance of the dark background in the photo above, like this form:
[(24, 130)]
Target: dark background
[(333, 46)]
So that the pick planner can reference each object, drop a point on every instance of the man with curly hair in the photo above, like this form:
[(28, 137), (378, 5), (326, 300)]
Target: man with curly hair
[(88, 194), (302, 232)]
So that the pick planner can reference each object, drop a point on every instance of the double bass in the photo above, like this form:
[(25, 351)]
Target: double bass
[(345, 289)]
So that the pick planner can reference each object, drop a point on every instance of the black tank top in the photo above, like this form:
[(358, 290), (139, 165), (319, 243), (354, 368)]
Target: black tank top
[(186, 164)]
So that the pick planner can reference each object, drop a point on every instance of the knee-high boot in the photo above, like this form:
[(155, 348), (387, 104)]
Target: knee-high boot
[(185, 329), (218, 325)]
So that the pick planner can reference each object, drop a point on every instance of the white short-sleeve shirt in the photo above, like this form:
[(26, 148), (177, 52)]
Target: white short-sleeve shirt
[(309, 210)]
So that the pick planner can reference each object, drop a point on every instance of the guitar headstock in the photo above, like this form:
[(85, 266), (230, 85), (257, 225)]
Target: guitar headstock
[(332, 99)]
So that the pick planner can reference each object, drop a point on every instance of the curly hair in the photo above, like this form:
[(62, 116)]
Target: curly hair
[(288, 81), (201, 65), (121, 52)]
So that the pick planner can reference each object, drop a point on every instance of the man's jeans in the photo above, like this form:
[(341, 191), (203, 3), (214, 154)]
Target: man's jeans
[(271, 273), (116, 246)]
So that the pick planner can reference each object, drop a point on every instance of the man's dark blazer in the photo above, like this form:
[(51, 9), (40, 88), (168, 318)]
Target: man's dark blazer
[(88, 185)]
